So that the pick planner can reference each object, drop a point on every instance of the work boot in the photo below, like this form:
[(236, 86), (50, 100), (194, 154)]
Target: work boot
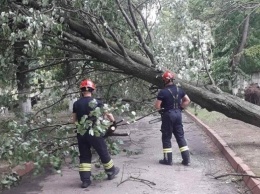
[(185, 163), (185, 158), (85, 178), (111, 175), (166, 162), (85, 184), (167, 159)]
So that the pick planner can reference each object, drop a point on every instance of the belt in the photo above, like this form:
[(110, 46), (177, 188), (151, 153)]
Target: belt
[(172, 109)]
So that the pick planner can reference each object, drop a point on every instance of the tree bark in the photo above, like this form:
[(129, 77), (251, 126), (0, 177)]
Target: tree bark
[(22, 78), (87, 33)]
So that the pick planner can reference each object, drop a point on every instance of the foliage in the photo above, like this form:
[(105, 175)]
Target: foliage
[(114, 146), (9, 180), (95, 121), (99, 176), (130, 152), (24, 143), (253, 51), (227, 20), (48, 143), (185, 46)]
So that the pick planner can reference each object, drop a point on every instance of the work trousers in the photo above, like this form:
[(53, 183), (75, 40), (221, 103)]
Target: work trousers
[(85, 142), (172, 124)]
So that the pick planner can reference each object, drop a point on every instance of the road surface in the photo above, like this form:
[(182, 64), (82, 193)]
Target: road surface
[(140, 171)]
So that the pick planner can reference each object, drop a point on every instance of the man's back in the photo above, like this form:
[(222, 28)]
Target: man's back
[(82, 106), (171, 97)]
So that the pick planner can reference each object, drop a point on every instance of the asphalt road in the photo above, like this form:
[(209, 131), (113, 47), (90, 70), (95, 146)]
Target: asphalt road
[(140, 171)]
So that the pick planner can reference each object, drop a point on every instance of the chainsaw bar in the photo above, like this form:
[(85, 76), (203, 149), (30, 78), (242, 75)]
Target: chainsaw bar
[(155, 120)]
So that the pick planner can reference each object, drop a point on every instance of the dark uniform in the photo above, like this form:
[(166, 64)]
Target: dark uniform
[(171, 97), (85, 142)]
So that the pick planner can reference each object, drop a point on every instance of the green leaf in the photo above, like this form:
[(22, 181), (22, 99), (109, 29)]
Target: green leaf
[(10, 152), (5, 182)]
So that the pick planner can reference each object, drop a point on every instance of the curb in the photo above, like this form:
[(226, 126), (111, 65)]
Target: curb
[(237, 163), (23, 169)]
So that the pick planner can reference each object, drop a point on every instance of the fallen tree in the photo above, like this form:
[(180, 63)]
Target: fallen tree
[(88, 34), (208, 97)]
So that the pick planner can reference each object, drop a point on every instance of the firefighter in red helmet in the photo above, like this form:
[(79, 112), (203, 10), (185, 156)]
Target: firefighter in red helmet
[(171, 100), (80, 108), (87, 84)]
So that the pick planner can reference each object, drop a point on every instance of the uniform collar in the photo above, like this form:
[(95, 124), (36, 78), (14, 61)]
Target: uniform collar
[(169, 85)]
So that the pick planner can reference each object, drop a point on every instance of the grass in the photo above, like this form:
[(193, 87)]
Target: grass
[(206, 116)]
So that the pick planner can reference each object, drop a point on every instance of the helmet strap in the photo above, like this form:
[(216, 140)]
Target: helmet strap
[(90, 90), (87, 89), (167, 82)]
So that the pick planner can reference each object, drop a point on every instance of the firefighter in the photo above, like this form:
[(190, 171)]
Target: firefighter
[(171, 100), (85, 142)]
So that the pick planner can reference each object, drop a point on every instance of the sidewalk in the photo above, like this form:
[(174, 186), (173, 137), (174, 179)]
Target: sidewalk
[(235, 146), (142, 174)]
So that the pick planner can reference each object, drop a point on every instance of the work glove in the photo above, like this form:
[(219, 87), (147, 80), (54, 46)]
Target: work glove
[(160, 111), (111, 129)]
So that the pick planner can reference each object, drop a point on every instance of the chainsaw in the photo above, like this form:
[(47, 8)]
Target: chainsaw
[(112, 128)]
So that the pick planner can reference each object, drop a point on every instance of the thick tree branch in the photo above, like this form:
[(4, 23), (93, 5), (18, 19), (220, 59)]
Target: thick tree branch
[(134, 26), (86, 32), (101, 35), (237, 55), (238, 52), (110, 31), (108, 57), (64, 48), (139, 35), (145, 24), (205, 63)]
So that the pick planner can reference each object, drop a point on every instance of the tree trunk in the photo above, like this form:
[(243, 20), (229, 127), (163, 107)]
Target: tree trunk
[(238, 52), (22, 78), (69, 72)]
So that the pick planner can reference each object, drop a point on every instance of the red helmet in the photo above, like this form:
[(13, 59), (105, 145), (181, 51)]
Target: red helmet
[(168, 76), (87, 84)]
